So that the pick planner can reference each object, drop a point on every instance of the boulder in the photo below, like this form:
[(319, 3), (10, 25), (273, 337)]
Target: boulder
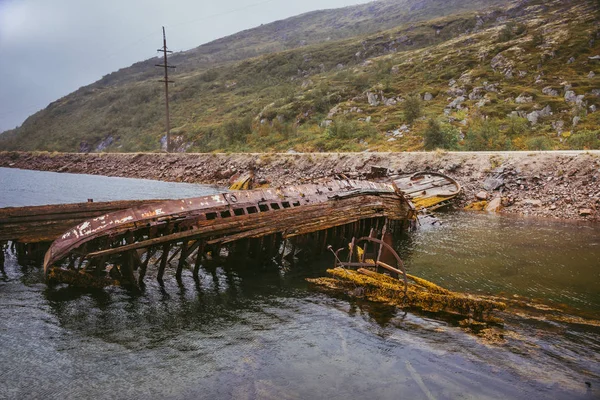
[(483, 195), (457, 103), (523, 99), (494, 206), (591, 75), (372, 98), (576, 120), (548, 91), (477, 93), (572, 97), (427, 96)]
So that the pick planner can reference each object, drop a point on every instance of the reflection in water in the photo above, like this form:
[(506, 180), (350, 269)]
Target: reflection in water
[(540, 259), (262, 332)]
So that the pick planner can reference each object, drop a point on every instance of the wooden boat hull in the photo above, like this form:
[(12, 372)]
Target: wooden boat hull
[(121, 238)]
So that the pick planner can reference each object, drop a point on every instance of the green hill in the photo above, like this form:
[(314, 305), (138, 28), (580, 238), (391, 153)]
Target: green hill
[(436, 74)]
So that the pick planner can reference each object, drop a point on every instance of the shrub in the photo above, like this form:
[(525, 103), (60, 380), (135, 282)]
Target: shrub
[(585, 140), (485, 135), (516, 125), (440, 136), (412, 109), (538, 143)]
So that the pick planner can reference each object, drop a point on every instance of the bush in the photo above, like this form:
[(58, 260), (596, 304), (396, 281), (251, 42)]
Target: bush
[(438, 136), (516, 125), (412, 109), (486, 136), (539, 143), (510, 31), (237, 130), (585, 140)]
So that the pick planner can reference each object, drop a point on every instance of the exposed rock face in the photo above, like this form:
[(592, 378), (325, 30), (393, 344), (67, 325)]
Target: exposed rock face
[(372, 98)]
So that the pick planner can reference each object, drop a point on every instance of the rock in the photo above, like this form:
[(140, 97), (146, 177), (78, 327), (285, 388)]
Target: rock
[(395, 70), (571, 60), (482, 102), (594, 58), (585, 212), (333, 111), (533, 117), (591, 75), (494, 181), (372, 98), (499, 62), (368, 119), (390, 102), (477, 93), (457, 103), (571, 97), (103, 145), (85, 147), (456, 91), (533, 203), (548, 91), (523, 99), (593, 108), (452, 82), (596, 92), (326, 123), (494, 206), (558, 126), (483, 195), (576, 120), (428, 96), (491, 87)]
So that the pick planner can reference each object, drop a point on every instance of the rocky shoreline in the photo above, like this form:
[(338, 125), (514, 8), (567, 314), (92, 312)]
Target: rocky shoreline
[(545, 184)]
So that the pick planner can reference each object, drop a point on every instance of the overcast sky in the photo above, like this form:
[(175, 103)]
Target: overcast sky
[(49, 48)]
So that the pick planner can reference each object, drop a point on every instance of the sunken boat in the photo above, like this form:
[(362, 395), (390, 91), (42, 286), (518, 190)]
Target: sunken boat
[(258, 223)]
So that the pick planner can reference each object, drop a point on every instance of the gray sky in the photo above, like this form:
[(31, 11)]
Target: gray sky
[(49, 48)]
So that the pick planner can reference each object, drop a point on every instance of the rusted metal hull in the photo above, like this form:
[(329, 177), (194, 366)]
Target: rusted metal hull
[(256, 220)]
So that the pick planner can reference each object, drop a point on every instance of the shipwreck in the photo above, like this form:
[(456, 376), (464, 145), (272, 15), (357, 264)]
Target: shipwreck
[(259, 224)]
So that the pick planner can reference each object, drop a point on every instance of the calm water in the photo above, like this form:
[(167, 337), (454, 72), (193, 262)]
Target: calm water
[(264, 333)]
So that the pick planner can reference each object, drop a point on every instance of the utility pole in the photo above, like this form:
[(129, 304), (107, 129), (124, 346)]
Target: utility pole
[(166, 81)]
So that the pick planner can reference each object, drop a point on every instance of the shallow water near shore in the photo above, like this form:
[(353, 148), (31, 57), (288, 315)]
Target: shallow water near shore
[(263, 332)]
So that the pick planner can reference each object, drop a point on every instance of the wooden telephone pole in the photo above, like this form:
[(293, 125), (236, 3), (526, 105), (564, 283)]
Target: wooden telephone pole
[(166, 81)]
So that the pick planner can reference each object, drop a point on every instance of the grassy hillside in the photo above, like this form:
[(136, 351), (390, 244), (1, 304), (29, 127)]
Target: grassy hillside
[(522, 76)]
